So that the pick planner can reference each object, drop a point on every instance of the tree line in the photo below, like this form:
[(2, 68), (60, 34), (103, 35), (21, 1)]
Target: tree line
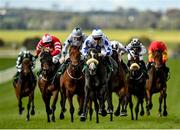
[(62, 20)]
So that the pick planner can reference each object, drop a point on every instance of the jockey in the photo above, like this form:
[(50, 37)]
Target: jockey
[(120, 49), (136, 48), (24, 54), (158, 45), (76, 38), (99, 41), (52, 44)]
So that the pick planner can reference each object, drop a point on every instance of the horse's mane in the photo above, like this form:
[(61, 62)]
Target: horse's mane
[(45, 56)]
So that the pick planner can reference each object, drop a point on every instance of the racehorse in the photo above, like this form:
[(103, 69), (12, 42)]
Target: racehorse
[(96, 84), (72, 82), (156, 83), (118, 84), (136, 86), (47, 84), (25, 86)]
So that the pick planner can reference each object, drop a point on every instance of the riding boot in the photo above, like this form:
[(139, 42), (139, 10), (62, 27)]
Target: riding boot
[(128, 63), (148, 66), (166, 70), (142, 64), (16, 76), (34, 77), (109, 64), (124, 66), (62, 67)]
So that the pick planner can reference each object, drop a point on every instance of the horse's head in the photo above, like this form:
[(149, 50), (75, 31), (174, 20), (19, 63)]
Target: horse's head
[(46, 62), (26, 66), (92, 61), (74, 55), (135, 71), (158, 58)]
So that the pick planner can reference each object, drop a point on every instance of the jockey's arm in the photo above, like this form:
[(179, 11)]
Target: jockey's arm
[(107, 49), (57, 48), (65, 48), (85, 47), (143, 50)]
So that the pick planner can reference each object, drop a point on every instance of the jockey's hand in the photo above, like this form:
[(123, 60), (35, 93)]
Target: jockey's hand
[(55, 59), (100, 55), (36, 56), (62, 59)]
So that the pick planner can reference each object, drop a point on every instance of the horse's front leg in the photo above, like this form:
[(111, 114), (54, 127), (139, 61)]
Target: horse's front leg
[(86, 100), (101, 97), (62, 103), (53, 106), (124, 102), (109, 101), (80, 98), (117, 112), (148, 102), (96, 106), (20, 105), (70, 98), (46, 99), (131, 107), (160, 103), (165, 113), (137, 108), (142, 108), (32, 110), (90, 110), (28, 107)]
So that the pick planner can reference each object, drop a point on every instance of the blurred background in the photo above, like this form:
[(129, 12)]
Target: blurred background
[(23, 22)]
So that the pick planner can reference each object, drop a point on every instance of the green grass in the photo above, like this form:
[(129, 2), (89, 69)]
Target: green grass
[(9, 117), (7, 62)]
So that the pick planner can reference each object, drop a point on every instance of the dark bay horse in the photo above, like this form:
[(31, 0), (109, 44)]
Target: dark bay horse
[(96, 84), (156, 83), (136, 86), (25, 86), (72, 82), (47, 84), (118, 84)]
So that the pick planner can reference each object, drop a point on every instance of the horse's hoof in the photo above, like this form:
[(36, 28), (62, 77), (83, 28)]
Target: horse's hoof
[(123, 114), (102, 112), (83, 117), (160, 114), (142, 113), (48, 120), (61, 117), (32, 112), (79, 112), (117, 113), (53, 119), (109, 111), (150, 106), (27, 119), (165, 113), (148, 113), (50, 111)]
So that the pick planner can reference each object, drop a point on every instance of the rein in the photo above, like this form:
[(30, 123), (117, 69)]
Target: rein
[(72, 77), (139, 77)]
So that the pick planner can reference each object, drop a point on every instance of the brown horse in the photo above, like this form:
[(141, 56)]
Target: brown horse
[(47, 84), (25, 86), (118, 84), (72, 82), (156, 83)]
